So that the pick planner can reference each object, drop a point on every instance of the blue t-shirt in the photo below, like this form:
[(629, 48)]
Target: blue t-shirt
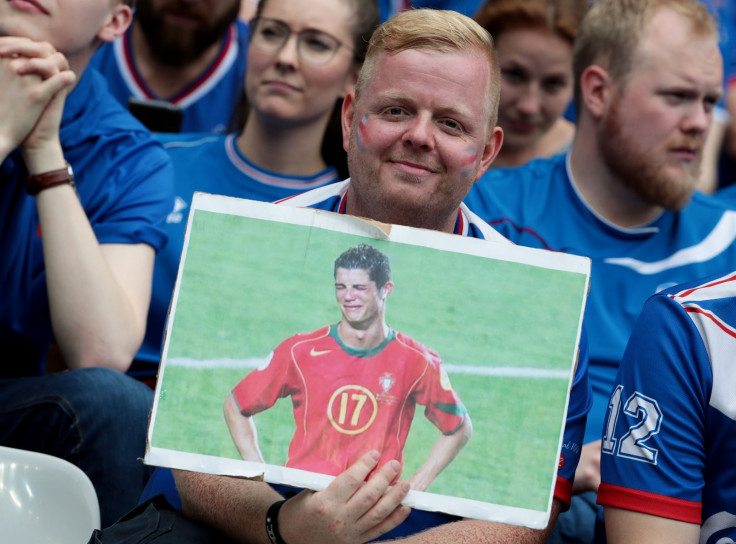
[(537, 205), (210, 163), (207, 103), (670, 436), (125, 183)]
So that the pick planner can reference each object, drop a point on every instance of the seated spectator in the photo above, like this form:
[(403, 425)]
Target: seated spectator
[(420, 128), (78, 246), (648, 75), (534, 40), (667, 466), (303, 58), (189, 54)]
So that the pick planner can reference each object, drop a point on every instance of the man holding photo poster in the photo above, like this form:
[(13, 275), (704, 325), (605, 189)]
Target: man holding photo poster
[(420, 129), (354, 385)]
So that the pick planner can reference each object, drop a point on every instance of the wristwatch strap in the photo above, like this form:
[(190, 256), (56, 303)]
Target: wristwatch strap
[(272, 523), (38, 182)]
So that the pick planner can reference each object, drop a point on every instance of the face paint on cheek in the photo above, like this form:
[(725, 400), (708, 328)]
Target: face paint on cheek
[(361, 135), (469, 162)]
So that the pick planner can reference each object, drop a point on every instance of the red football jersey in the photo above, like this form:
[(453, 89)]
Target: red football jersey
[(348, 401)]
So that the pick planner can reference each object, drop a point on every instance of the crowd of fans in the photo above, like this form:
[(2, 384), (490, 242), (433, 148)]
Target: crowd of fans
[(603, 128)]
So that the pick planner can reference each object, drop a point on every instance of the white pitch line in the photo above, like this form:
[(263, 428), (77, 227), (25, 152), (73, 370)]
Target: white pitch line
[(502, 371)]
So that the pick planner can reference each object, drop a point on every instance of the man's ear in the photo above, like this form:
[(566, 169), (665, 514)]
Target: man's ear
[(596, 90), (490, 151), (348, 112), (387, 289), (117, 23)]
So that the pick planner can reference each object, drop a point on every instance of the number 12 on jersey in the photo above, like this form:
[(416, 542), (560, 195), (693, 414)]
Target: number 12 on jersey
[(643, 422)]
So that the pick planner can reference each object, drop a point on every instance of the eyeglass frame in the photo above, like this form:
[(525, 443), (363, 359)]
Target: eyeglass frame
[(254, 22)]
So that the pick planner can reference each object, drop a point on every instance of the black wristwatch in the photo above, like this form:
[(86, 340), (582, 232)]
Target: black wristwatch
[(38, 182)]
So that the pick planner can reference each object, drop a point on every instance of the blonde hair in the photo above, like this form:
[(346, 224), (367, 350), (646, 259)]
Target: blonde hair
[(612, 29), (441, 31)]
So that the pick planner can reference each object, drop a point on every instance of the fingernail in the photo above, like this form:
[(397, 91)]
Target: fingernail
[(375, 455), (395, 465), (405, 487)]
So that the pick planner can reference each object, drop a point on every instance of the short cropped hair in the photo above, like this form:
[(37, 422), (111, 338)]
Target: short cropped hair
[(443, 31), (612, 30), (368, 258), (562, 17)]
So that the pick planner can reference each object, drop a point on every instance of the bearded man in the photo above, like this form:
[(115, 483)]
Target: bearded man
[(191, 54)]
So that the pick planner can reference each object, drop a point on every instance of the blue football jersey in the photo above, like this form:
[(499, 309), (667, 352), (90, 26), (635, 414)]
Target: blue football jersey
[(538, 205), (670, 433), (207, 104)]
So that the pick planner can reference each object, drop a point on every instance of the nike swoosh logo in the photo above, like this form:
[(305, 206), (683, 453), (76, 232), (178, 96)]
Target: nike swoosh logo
[(315, 353)]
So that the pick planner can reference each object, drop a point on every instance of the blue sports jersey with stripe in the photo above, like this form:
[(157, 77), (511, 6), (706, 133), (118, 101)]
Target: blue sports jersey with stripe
[(124, 181), (670, 433), (538, 205), (207, 103)]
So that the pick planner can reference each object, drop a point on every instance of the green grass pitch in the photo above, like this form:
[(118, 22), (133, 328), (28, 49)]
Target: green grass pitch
[(248, 284)]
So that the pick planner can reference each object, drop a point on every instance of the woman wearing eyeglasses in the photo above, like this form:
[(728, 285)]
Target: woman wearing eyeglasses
[(303, 57)]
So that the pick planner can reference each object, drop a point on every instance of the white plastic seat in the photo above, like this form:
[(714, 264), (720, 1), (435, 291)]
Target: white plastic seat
[(44, 499)]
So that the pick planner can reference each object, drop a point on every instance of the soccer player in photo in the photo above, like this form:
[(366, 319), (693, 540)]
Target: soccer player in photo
[(354, 385)]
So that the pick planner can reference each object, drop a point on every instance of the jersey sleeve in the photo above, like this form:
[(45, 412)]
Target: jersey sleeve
[(262, 387), (442, 405), (581, 399), (653, 438)]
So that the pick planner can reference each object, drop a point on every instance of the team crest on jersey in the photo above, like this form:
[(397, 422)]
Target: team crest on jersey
[(177, 214), (386, 382)]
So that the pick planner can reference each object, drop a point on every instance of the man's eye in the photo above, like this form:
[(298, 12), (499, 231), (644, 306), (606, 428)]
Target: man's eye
[(451, 125), (395, 110), (678, 97)]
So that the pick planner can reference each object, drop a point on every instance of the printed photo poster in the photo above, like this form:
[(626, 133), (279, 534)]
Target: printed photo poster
[(299, 339)]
